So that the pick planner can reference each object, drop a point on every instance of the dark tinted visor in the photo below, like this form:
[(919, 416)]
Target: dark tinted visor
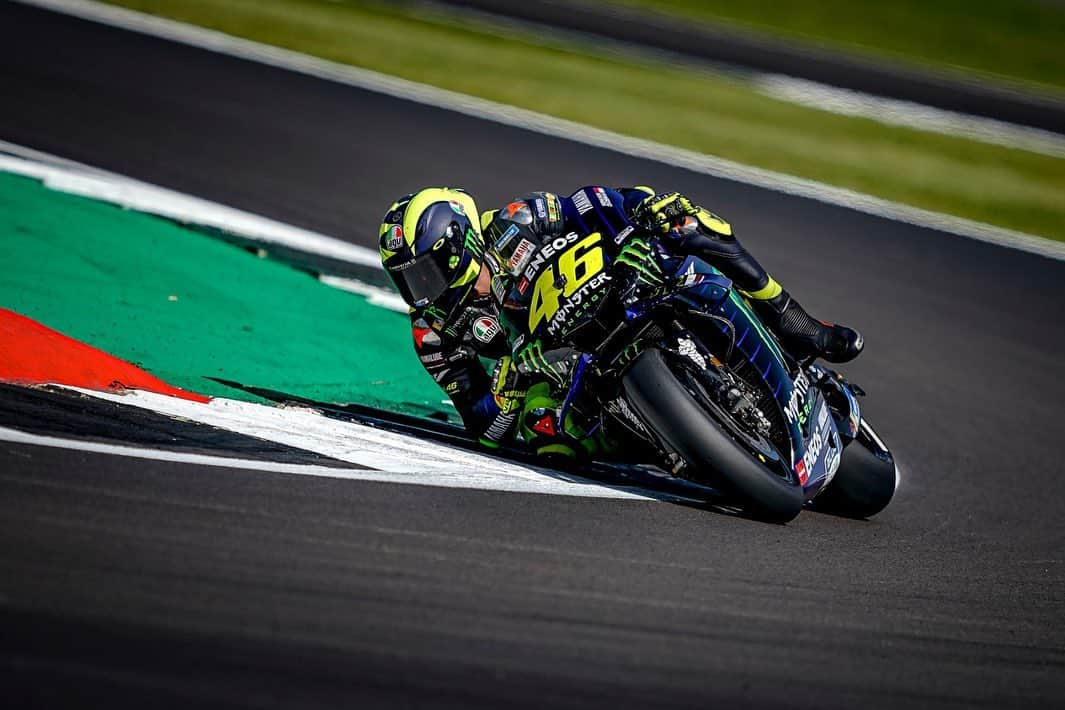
[(425, 279)]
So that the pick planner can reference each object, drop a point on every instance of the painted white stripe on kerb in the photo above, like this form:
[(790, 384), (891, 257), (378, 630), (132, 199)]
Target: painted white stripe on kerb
[(20, 437), (470, 481), (395, 458), (375, 295), (548, 125)]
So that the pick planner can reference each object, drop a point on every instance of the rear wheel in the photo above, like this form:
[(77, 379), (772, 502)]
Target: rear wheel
[(687, 427), (864, 483)]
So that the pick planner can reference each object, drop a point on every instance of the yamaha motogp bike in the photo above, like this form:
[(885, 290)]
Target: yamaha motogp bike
[(683, 374)]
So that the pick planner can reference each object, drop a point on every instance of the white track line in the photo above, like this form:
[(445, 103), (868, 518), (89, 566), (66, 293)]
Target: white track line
[(393, 458), (85, 181), (549, 125), (818, 96), (20, 437), (895, 112)]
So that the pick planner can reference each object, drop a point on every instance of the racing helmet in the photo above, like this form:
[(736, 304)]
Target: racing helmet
[(513, 233), (432, 249)]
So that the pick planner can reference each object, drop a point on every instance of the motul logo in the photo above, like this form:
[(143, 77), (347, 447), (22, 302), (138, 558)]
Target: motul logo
[(798, 398)]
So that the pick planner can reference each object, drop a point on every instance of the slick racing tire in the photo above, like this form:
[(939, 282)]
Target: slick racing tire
[(865, 482), (688, 429)]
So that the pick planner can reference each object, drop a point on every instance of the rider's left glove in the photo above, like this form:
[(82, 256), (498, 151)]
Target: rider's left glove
[(672, 210), (660, 212)]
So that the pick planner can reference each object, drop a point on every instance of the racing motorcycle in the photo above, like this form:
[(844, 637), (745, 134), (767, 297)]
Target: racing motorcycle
[(684, 375)]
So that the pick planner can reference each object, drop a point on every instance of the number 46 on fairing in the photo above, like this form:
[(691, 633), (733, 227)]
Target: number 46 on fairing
[(575, 266)]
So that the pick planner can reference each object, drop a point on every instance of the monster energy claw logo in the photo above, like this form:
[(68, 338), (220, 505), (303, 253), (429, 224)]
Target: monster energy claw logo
[(531, 360), (795, 411)]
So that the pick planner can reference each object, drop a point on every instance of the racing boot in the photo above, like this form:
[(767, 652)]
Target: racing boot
[(802, 335)]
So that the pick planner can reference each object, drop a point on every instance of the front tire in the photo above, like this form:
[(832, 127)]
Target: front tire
[(686, 428)]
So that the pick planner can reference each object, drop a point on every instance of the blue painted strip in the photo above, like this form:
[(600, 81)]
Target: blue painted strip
[(743, 337)]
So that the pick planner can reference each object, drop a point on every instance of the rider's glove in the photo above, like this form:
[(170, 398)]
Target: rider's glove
[(638, 255), (673, 211), (658, 213), (508, 387)]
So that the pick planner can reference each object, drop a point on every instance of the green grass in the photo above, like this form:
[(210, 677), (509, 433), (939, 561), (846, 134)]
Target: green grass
[(1016, 40), (993, 184)]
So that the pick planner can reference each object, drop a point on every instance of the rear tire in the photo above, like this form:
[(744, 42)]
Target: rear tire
[(667, 407), (863, 485)]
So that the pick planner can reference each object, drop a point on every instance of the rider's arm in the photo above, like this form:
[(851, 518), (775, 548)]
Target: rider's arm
[(687, 228), (456, 368)]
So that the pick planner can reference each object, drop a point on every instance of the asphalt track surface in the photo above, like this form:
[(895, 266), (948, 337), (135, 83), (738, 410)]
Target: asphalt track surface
[(125, 582)]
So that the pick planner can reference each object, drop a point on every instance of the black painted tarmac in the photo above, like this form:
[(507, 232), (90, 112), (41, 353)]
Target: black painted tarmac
[(152, 582)]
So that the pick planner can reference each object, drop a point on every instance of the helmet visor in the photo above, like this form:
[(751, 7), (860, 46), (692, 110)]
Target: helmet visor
[(425, 278)]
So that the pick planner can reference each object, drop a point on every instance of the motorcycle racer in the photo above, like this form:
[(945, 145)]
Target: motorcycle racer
[(433, 246)]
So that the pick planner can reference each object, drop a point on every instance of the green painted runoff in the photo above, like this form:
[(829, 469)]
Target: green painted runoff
[(186, 306)]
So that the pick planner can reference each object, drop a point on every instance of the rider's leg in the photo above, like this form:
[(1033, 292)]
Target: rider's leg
[(802, 334)]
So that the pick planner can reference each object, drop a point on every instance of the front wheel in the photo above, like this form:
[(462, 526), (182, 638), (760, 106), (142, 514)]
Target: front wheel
[(689, 430)]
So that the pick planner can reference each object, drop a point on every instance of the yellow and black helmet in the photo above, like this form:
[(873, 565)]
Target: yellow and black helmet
[(431, 247)]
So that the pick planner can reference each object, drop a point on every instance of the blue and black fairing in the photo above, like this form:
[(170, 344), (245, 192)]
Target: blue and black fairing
[(815, 440)]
